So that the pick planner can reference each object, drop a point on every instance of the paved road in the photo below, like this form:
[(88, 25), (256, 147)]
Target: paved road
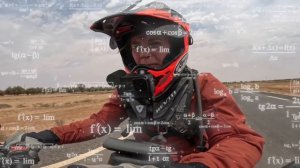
[(266, 113), (282, 141)]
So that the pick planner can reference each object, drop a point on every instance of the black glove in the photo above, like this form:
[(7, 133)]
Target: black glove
[(46, 136), (184, 165), (19, 151), (25, 146)]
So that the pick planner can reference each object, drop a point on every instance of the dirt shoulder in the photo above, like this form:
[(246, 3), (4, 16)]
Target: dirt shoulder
[(39, 112)]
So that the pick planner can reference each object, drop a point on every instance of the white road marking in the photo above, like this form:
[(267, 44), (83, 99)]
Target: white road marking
[(278, 98), (80, 157)]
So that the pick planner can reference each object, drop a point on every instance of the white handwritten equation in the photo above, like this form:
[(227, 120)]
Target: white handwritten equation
[(30, 117), (279, 160), (160, 153), (292, 145), (24, 73), (103, 129), (96, 158), (22, 55), (290, 110)]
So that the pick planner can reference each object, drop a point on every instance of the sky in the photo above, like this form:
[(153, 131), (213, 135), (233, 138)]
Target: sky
[(49, 43)]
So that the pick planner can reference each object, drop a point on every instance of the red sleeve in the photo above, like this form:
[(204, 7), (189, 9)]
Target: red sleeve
[(99, 124), (235, 145)]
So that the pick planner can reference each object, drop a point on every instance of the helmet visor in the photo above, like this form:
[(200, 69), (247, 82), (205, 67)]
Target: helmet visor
[(148, 42)]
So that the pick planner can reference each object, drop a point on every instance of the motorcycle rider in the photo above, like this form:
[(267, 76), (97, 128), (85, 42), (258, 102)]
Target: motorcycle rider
[(153, 41)]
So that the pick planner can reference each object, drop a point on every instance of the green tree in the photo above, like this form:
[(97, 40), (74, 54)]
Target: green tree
[(31, 91), (8, 91), (18, 90), (80, 88), (2, 93)]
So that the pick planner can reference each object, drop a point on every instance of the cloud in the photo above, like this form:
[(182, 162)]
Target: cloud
[(37, 17), (113, 3), (224, 34)]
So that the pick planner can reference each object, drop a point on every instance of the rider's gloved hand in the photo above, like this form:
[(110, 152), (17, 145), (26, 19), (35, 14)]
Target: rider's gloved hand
[(25, 147), (185, 165), (47, 137)]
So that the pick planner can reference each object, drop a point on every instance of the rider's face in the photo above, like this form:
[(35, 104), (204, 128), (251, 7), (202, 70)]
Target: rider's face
[(149, 50)]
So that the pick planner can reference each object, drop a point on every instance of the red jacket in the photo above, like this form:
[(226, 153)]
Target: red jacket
[(232, 145)]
